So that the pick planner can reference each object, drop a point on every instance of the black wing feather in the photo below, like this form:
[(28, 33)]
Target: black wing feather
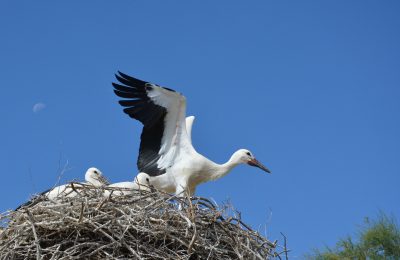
[(125, 94), (140, 107), (132, 102), (132, 79), (123, 88), (127, 82)]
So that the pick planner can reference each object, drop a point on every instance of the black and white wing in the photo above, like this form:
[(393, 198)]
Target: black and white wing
[(162, 113)]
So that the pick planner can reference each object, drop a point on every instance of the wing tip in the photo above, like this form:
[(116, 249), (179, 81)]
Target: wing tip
[(118, 74), (125, 77)]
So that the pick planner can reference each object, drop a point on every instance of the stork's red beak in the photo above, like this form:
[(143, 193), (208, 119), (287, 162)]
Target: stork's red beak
[(256, 163)]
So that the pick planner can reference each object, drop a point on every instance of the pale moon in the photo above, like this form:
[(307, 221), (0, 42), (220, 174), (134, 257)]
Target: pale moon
[(38, 107)]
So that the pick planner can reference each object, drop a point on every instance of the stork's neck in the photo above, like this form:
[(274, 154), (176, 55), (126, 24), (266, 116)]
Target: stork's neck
[(94, 182), (223, 169), (90, 179)]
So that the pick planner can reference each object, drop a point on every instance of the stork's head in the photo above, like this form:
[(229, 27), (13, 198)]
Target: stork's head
[(95, 177), (143, 181), (245, 156)]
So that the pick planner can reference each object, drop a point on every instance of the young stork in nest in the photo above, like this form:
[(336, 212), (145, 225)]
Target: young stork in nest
[(167, 159), (93, 176)]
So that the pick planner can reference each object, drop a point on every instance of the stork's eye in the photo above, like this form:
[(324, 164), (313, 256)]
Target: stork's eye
[(248, 153), (96, 172)]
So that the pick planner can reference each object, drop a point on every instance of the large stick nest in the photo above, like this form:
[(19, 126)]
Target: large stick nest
[(144, 225)]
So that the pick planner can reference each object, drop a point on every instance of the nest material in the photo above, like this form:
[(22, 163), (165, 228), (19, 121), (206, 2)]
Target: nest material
[(143, 225)]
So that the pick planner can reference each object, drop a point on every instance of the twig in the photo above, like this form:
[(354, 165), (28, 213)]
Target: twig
[(284, 246), (38, 254), (193, 240), (81, 215)]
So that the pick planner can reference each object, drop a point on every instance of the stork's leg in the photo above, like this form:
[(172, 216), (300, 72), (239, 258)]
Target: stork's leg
[(181, 192)]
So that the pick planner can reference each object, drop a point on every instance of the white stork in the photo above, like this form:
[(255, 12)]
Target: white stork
[(167, 159), (93, 176)]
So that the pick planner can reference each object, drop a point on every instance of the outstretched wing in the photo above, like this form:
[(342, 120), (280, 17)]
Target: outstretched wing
[(162, 113)]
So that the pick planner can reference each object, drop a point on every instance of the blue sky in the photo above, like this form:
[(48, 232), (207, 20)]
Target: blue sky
[(312, 88)]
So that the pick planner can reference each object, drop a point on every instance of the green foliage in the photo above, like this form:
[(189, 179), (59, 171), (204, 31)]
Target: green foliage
[(378, 239)]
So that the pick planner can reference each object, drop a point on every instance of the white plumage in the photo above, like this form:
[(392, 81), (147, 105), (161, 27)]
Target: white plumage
[(167, 160), (93, 176), (124, 188)]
